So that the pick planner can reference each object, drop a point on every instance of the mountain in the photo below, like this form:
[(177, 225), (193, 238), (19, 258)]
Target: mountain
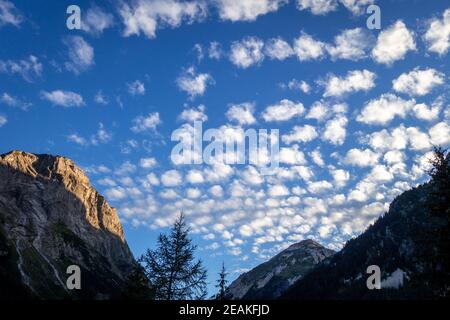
[(410, 244), (50, 218), (270, 279)]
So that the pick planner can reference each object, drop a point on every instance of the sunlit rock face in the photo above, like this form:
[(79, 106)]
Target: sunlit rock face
[(50, 218)]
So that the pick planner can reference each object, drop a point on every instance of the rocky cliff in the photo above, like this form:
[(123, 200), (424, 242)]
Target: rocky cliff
[(50, 218), (272, 278)]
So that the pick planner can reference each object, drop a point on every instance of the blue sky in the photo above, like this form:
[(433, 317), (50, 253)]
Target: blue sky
[(358, 110)]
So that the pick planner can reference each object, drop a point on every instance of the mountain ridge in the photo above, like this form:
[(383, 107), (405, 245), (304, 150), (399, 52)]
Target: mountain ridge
[(270, 279), (51, 217), (409, 244)]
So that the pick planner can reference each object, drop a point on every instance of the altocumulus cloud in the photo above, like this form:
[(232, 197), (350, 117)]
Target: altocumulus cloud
[(193, 83), (393, 43), (63, 98), (146, 123), (146, 16), (9, 14), (29, 68), (418, 82), (80, 54)]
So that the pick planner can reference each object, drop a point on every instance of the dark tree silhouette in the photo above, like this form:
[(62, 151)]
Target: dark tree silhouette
[(138, 286), (439, 198), (172, 268), (438, 203), (222, 284)]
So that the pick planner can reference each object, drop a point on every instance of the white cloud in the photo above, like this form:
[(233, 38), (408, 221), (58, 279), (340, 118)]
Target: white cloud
[(294, 84), (147, 16), (150, 122), (283, 111), (440, 134), (215, 50), (247, 52), (80, 54), (63, 98), (216, 191), (354, 81), (193, 193), (393, 43), (278, 49), (9, 14), (380, 173), (394, 156), (127, 146), (171, 178), (3, 120), (278, 191), (246, 231), (125, 168), (318, 7), (384, 109), (251, 176), (304, 133), (194, 84), (95, 21), (292, 155), (195, 177), (318, 111), (438, 34), (28, 69), (75, 138), (322, 7), (319, 186), (361, 158), (340, 177), (13, 101), (335, 130), (423, 112), (351, 44), (418, 139), (136, 88), (418, 82), (247, 10), (307, 48), (168, 194), (241, 113), (317, 157), (397, 139), (193, 114), (357, 7), (115, 194), (152, 179), (100, 137), (100, 98), (325, 231), (147, 163), (198, 49)]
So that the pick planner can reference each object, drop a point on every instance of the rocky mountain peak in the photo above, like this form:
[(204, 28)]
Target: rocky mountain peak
[(56, 168), (51, 217), (305, 244), (270, 279)]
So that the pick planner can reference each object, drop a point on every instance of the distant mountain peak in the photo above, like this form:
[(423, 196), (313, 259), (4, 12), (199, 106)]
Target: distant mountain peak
[(269, 280), (304, 244)]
